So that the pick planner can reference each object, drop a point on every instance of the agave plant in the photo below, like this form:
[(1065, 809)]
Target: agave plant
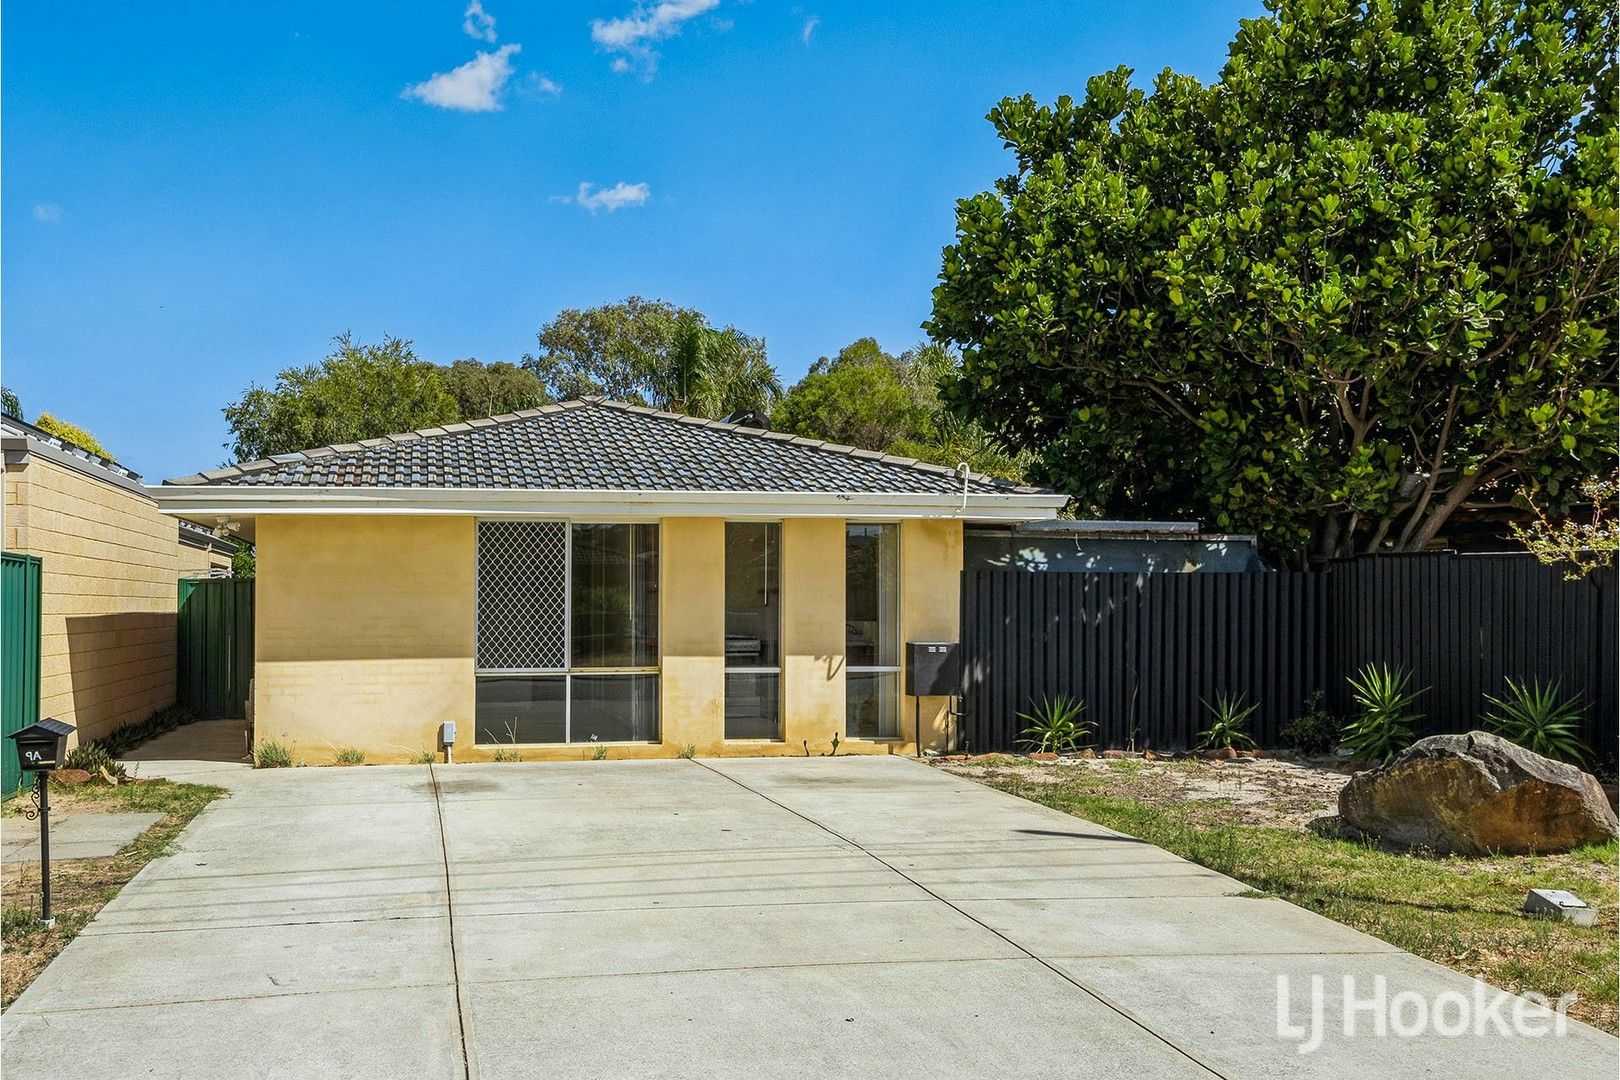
[(1540, 719), (1385, 695), (1230, 715), (1055, 726)]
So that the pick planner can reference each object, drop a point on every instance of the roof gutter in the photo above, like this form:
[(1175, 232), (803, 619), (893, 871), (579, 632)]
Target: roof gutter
[(212, 501)]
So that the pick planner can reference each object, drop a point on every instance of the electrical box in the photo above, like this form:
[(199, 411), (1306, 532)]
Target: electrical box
[(933, 669), (447, 734)]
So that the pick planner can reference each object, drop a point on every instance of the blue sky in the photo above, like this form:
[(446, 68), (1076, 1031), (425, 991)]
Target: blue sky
[(197, 195)]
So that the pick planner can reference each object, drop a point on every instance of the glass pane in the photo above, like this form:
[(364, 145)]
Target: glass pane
[(873, 706), (615, 708), (753, 594), (871, 599), (522, 589), (520, 709), (752, 705), (615, 597)]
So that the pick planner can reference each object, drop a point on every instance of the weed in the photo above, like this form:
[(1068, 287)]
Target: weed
[(271, 754), (1314, 731), (599, 753), (350, 755), (689, 751), (503, 753), (424, 757)]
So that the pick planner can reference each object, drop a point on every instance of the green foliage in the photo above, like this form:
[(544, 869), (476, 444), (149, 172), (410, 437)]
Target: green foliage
[(121, 740), (599, 753), (357, 392), (1539, 718), (1384, 727), (1055, 726), (650, 352), (484, 390), (271, 754), (1229, 717), (71, 433), (93, 758), (689, 751), (1314, 731), (9, 403), (424, 757), (506, 753), (244, 561), (1365, 280), (1578, 544), (350, 755), (868, 398)]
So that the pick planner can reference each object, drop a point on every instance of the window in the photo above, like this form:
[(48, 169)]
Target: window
[(753, 630), (567, 632), (872, 631)]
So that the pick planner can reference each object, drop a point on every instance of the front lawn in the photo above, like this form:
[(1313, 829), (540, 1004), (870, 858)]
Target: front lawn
[(1460, 912), (80, 887)]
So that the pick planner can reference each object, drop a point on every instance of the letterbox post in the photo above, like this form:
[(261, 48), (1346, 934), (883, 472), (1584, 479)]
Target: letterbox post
[(40, 749), (44, 788)]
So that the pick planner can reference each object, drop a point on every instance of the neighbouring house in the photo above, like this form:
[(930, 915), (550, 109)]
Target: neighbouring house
[(598, 573), (97, 589), (1070, 546)]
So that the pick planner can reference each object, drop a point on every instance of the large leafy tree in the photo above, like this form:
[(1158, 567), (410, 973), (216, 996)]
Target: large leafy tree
[(875, 400), (357, 392), (1364, 281), (650, 352), (491, 389)]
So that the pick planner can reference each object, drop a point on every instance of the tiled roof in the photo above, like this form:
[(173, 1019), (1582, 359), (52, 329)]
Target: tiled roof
[(595, 444)]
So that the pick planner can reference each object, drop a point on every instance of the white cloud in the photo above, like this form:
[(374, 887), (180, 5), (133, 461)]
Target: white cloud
[(632, 36), (478, 23), (47, 212), (475, 86), (810, 25), (543, 84), (609, 199)]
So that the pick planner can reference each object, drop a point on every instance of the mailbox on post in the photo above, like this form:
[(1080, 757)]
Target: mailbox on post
[(41, 746), (40, 749)]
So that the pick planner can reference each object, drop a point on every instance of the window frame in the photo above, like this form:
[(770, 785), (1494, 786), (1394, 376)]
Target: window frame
[(755, 669), (899, 633), (568, 672)]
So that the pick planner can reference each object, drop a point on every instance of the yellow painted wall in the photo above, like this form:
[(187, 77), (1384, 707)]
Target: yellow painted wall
[(364, 633), (366, 628), (109, 567), (930, 610)]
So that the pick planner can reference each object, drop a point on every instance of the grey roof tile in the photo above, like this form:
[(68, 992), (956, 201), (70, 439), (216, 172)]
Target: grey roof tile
[(602, 445)]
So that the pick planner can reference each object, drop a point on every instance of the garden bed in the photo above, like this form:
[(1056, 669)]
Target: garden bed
[(1249, 820)]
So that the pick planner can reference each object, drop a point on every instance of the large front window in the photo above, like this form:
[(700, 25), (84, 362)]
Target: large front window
[(567, 636), (872, 631), (753, 630)]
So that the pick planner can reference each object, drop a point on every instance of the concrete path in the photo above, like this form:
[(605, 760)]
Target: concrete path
[(759, 918), (85, 835)]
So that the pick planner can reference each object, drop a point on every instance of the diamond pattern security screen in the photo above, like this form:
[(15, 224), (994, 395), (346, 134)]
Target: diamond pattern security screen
[(522, 595)]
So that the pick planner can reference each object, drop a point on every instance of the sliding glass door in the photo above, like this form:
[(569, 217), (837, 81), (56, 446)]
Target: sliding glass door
[(872, 631), (753, 630)]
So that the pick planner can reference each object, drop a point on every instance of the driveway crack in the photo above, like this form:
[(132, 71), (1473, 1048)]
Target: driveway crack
[(469, 1062)]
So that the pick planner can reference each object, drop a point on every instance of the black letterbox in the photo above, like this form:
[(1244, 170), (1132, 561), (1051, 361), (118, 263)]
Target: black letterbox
[(932, 669), (41, 746)]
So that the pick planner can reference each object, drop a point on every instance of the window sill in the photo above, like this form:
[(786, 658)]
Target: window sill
[(559, 745)]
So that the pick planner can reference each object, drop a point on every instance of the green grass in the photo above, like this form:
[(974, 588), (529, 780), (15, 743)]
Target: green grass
[(1460, 912), (272, 755), (350, 755), (80, 887), (425, 757)]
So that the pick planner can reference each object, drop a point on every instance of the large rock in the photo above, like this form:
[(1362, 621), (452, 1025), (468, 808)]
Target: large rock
[(1475, 794)]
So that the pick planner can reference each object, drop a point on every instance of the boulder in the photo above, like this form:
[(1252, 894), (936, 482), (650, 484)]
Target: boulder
[(1477, 794)]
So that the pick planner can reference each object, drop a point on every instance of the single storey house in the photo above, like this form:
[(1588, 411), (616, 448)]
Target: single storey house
[(597, 573)]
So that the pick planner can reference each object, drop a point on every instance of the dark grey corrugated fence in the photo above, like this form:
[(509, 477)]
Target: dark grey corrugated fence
[(1143, 649)]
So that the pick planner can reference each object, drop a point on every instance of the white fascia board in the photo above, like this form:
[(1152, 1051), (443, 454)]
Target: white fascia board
[(205, 501)]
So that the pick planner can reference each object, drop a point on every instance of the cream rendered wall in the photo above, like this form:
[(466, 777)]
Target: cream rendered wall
[(363, 633), (109, 567), (930, 610), (692, 634), (813, 634)]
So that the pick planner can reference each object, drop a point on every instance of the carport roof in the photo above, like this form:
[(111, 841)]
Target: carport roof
[(598, 445)]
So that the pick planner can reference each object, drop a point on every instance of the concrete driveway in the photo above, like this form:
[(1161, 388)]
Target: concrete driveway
[(841, 917)]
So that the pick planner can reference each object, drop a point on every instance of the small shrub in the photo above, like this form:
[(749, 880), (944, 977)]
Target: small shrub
[(1229, 716), (17, 918), (94, 758), (1314, 731), (598, 753), (424, 757), (503, 753), (272, 755), (1055, 726), (1537, 717), (1385, 695), (350, 755), (689, 751)]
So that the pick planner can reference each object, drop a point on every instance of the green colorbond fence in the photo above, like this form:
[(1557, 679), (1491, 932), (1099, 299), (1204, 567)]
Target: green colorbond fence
[(215, 660), (19, 656)]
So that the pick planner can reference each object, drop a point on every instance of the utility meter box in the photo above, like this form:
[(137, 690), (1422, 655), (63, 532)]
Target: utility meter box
[(933, 669)]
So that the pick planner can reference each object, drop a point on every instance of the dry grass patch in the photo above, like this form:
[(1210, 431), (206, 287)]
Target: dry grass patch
[(81, 887)]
